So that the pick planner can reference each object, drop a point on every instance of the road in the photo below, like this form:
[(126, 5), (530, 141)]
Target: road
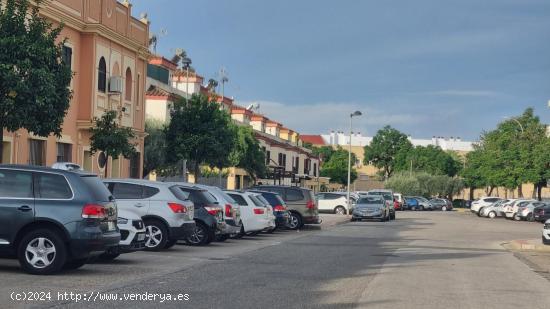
[(421, 260)]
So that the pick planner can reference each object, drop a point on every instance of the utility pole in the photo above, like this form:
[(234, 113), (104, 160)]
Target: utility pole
[(186, 61), (356, 113)]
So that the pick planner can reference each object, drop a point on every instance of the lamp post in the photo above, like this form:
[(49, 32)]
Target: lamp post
[(356, 113), (186, 62)]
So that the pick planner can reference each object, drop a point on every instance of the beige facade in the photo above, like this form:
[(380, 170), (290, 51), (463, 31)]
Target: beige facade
[(107, 46)]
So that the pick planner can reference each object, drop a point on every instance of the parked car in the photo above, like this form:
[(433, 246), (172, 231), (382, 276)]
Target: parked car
[(269, 211), (208, 214), (546, 233), (52, 219), (399, 198), (542, 213), (231, 212), (388, 196), (478, 204), (132, 235), (168, 216), (526, 211), (300, 202), (282, 215), (511, 209), (332, 203), (441, 204), (371, 207), (494, 210), (253, 213), (423, 203), (412, 203)]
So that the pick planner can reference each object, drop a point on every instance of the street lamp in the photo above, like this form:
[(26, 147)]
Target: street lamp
[(354, 114), (517, 121), (186, 62)]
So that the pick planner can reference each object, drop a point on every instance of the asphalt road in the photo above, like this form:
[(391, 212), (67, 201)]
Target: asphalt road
[(421, 260)]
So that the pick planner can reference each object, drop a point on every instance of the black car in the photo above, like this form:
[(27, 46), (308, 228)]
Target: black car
[(281, 213), (542, 213), (52, 219), (208, 214)]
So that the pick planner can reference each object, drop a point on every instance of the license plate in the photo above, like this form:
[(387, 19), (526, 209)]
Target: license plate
[(111, 226), (141, 237)]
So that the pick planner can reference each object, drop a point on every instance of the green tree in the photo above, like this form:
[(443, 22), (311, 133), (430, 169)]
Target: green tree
[(384, 148), (323, 152), (247, 153), (111, 138), (336, 168), (424, 184), (430, 159), (473, 174), (199, 132), (154, 157), (34, 81)]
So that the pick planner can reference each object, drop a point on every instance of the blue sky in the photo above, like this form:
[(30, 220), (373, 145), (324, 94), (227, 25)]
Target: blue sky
[(426, 67)]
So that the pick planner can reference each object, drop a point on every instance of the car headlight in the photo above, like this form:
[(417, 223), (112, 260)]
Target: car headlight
[(122, 220)]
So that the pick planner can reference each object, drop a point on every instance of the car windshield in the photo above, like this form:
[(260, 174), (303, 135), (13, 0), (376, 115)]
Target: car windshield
[(370, 200)]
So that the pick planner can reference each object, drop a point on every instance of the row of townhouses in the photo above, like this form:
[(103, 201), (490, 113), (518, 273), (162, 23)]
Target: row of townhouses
[(289, 163), (108, 50)]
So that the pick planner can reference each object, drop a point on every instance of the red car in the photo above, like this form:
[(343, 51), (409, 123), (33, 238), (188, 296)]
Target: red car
[(396, 205)]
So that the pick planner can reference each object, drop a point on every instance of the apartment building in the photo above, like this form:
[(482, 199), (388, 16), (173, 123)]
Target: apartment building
[(107, 49)]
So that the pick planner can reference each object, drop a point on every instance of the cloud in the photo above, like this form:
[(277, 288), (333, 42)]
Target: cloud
[(462, 93)]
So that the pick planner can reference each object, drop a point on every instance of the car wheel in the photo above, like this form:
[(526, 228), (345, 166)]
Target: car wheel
[(517, 217), (421, 207), (270, 231), (492, 215), (42, 252), (200, 236), (170, 244), (340, 210), (479, 212), (353, 219), (155, 235), (392, 216), (530, 217), (295, 221), (108, 257), (240, 234), (444, 208)]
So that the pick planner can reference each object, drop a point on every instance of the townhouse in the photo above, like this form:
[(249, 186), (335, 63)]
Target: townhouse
[(107, 49)]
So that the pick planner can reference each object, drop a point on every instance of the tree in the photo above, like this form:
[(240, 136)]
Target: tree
[(430, 159), (424, 184), (199, 132), (472, 174), (34, 81), (324, 152), (111, 138), (247, 153), (385, 146), (336, 168), (154, 157)]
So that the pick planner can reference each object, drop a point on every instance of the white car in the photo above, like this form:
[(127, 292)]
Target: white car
[(167, 218), (332, 203), (132, 235), (494, 210), (546, 233), (511, 209), (254, 215), (525, 211), (482, 202)]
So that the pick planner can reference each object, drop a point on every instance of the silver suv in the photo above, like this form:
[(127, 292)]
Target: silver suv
[(167, 218)]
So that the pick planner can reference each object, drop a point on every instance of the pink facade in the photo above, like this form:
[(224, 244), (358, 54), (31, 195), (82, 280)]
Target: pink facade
[(106, 44)]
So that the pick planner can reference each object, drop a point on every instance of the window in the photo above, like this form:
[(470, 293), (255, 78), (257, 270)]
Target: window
[(96, 188), (52, 186), (149, 191), (15, 184), (282, 160), (315, 169), (267, 157), (64, 152), (297, 165), (128, 84), (127, 191), (102, 75), (239, 199), (134, 166), (67, 56), (294, 195), (37, 152)]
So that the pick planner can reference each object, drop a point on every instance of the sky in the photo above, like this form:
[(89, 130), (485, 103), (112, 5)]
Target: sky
[(426, 67)]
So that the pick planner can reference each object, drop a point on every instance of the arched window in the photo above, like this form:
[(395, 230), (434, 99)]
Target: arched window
[(128, 85), (102, 75)]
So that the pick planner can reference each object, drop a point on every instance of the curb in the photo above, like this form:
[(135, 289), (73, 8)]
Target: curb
[(526, 245)]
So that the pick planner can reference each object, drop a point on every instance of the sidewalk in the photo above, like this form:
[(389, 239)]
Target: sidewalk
[(527, 245)]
